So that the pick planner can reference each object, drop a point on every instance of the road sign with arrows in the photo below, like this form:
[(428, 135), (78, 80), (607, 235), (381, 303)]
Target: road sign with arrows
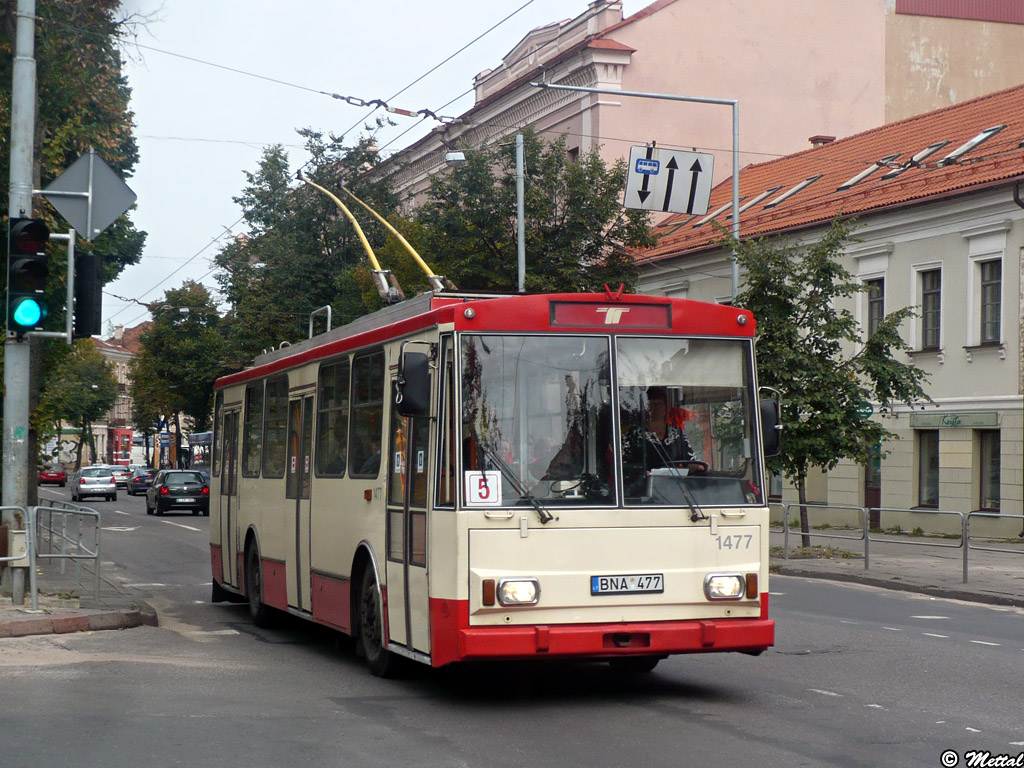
[(667, 180)]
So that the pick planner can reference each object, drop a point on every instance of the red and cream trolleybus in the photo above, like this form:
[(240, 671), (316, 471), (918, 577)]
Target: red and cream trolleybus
[(469, 477)]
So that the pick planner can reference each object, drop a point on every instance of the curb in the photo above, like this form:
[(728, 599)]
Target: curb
[(953, 593), (60, 624)]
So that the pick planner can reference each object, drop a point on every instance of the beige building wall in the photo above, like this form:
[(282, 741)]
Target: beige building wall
[(931, 62)]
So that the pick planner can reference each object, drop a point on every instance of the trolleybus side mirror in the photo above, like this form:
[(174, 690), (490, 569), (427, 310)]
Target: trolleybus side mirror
[(412, 397), (771, 422)]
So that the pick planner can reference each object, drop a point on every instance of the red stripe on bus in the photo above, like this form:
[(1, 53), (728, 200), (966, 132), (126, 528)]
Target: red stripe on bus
[(452, 639), (275, 583), (332, 602)]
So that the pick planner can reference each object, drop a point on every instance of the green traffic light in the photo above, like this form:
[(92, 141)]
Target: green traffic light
[(28, 313)]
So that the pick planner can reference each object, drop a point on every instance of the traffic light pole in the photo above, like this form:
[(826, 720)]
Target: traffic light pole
[(17, 357)]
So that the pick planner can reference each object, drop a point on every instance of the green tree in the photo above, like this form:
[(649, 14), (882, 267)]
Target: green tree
[(82, 390), (181, 355), (578, 235), (814, 353), (301, 252), (83, 103)]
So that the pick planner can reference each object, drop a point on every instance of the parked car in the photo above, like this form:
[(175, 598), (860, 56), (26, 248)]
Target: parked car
[(174, 489), (140, 480), (121, 475), (53, 474), (93, 481)]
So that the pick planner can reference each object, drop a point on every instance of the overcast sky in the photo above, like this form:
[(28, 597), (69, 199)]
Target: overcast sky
[(200, 125)]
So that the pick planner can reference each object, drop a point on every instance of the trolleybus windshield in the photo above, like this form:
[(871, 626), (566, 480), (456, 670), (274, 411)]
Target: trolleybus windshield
[(542, 420)]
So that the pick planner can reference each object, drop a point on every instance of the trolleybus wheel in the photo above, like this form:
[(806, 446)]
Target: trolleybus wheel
[(634, 665), (259, 610), (379, 659)]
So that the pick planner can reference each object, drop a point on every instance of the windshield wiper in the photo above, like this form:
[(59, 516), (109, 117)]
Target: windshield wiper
[(506, 471), (696, 513)]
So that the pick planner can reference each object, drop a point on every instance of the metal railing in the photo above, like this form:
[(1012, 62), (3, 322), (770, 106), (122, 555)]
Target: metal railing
[(66, 532), (864, 533)]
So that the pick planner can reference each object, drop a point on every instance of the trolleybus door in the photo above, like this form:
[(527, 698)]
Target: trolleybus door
[(227, 499), (408, 608), (299, 471)]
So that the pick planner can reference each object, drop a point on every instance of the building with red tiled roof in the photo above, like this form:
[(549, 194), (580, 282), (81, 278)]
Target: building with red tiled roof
[(797, 68), (939, 204)]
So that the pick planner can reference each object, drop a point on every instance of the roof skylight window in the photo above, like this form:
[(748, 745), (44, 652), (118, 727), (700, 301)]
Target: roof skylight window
[(757, 199), (790, 192), (867, 172), (915, 161), (963, 149), (713, 214)]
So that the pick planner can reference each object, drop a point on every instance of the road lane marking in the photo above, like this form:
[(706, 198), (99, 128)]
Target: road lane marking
[(182, 525), (119, 512), (844, 621), (874, 706), (120, 528), (154, 584), (932, 634), (982, 642), (929, 617), (893, 629), (825, 693)]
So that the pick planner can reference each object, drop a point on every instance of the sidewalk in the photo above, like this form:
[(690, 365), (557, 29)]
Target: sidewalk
[(926, 565), (65, 605), (995, 578)]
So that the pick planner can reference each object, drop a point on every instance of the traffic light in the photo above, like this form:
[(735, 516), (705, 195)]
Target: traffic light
[(88, 307), (27, 272)]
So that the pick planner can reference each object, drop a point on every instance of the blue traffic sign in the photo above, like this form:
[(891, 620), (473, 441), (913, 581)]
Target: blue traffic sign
[(643, 165)]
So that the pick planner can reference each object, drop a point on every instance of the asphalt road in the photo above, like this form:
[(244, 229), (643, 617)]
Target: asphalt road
[(859, 677)]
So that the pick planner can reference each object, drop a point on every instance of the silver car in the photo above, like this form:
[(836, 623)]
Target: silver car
[(93, 481), (121, 475)]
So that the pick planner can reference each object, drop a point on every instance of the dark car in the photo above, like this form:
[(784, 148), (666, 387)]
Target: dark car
[(174, 489), (53, 474), (140, 480)]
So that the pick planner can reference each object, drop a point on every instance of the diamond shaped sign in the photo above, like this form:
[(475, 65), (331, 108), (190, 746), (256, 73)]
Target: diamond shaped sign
[(89, 195)]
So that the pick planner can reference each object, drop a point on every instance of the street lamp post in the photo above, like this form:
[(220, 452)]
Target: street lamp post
[(734, 103)]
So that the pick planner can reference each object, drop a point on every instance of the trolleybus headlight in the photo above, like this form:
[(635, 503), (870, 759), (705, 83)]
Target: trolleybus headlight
[(724, 586), (518, 591)]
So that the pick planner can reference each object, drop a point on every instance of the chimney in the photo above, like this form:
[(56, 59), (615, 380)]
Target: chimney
[(820, 141), (119, 333)]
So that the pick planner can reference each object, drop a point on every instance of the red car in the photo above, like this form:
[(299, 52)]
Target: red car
[(53, 474)]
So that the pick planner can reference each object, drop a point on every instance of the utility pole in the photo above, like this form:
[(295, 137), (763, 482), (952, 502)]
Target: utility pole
[(17, 358)]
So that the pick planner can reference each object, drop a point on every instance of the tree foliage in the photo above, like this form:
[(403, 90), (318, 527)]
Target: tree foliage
[(301, 252), (80, 392), (577, 232), (82, 103), (814, 352), (182, 354)]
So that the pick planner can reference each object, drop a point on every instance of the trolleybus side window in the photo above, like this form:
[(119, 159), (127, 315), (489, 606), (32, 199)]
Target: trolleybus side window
[(218, 433), (367, 415), (332, 418), (275, 421), (252, 430), (446, 427)]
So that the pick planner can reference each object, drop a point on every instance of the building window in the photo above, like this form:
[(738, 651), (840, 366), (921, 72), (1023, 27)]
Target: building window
[(991, 303), (928, 468), (931, 308), (989, 469), (876, 304)]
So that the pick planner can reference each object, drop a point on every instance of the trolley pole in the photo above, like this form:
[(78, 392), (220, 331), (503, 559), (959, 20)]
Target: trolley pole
[(734, 103), (17, 357)]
